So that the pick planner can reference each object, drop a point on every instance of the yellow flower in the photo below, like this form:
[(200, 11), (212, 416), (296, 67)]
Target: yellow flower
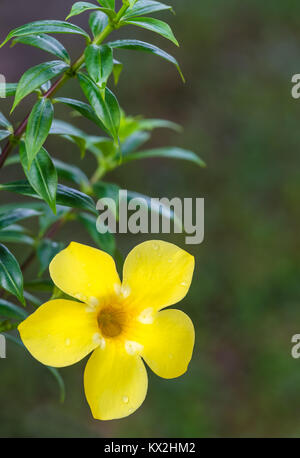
[(119, 323)]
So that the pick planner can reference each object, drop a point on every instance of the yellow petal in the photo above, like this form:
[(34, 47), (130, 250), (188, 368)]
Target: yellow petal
[(115, 382), (168, 343), (85, 273), (157, 274), (60, 332)]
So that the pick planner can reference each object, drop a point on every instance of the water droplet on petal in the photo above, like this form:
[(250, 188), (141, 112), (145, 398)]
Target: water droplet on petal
[(68, 341), (125, 399)]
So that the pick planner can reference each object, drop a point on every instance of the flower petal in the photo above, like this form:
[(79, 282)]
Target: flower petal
[(157, 274), (168, 343), (60, 332), (86, 273), (115, 382)]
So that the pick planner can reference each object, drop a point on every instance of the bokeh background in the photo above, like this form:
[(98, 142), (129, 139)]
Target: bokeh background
[(239, 116)]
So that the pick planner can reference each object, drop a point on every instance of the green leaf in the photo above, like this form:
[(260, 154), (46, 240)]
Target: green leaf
[(71, 173), (15, 234), (73, 198), (8, 89), (65, 128), (71, 133), (11, 278), (42, 175), (10, 310), (99, 63), (105, 242), (155, 25), (107, 3), (81, 7), (33, 300), (107, 109), (169, 152), (4, 122), (150, 124), (46, 251), (65, 196), (38, 27), (146, 7), (97, 22), (137, 45), (117, 70), (4, 134), (45, 43), (84, 109), (36, 76), (12, 216), (38, 127), (134, 141)]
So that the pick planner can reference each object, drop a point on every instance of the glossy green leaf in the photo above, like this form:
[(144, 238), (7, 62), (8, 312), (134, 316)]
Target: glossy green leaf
[(145, 7), (42, 175), (106, 108), (71, 173), (65, 128), (12, 216), (11, 278), (81, 7), (97, 22), (38, 27), (105, 242), (36, 76), (99, 63), (154, 25), (169, 152), (46, 251), (38, 127), (137, 45), (84, 109), (4, 122), (65, 196), (10, 310), (8, 89), (45, 43)]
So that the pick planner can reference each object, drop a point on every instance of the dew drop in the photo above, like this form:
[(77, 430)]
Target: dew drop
[(184, 283), (125, 399), (68, 341), (155, 246)]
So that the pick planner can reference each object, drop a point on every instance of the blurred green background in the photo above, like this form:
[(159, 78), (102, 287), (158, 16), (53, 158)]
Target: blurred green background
[(239, 116)]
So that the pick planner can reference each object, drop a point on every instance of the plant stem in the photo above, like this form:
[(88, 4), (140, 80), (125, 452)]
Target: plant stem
[(57, 85)]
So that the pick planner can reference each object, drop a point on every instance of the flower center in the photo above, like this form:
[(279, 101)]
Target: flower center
[(111, 321)]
